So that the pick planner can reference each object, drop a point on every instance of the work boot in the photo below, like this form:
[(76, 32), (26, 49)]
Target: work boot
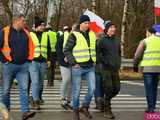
[(76, 115), (37, 105), (84, 110), (41, 102), (100, 104), (108, 112), (27, 115), (31, 101)]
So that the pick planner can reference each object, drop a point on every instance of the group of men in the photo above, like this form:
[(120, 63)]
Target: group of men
[(81, 54), (24, 57)]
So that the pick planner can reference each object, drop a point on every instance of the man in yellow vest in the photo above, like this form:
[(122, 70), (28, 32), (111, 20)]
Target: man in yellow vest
[(80, 51), (38, 67), (52, 55), (148, 55)]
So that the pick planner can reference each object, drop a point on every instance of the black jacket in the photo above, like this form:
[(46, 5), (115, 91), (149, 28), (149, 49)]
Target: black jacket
[(18, 43), (59, 51), (109, 53)]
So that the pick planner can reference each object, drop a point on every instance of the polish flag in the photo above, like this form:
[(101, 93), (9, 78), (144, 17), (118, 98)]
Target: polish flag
[(157, 7), (96, 25)]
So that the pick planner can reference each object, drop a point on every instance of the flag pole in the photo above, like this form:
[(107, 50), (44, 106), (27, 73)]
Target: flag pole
[(157, 15)]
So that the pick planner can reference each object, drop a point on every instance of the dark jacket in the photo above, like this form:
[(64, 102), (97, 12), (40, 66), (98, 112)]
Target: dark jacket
[(71, 42), (59, 51), (18, 43), (109, 53)]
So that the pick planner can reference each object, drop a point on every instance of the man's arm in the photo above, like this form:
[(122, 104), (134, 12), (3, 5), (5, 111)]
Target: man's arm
[(1, 38), (139, 54), (100, 51), (59, 49), (71, 42)]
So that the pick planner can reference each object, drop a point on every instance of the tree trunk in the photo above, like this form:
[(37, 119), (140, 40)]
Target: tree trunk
[(94, 6), (123, 28), (59, 14)]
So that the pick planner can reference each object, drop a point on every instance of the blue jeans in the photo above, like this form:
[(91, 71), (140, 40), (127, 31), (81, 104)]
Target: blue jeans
[(89, 74), (151, 83), (99, 92), (37, 73), (21, 73)]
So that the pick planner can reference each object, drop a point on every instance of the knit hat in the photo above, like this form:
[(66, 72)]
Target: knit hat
[(151, 30), (157, 27), (83, 18), (107, 25), (38, 21)]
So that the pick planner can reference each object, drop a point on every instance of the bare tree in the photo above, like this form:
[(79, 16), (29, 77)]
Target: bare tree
[(123, 26)]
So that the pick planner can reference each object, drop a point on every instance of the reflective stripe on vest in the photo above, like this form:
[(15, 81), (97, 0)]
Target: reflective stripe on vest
[(53, 40), (81, 51), (40, 48), (66, 35), (6, 50), (151, 55)]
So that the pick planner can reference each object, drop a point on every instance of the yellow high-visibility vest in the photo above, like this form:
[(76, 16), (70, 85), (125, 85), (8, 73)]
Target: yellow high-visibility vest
[(53, 40), (40, 48), (151, 56), (81, 51), (65, 37)]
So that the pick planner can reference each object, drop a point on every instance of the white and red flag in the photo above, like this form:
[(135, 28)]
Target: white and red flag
[(97, 23), (157, 7)]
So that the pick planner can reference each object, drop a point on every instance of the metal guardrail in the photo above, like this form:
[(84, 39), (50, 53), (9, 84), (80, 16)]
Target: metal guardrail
[(127, 63)]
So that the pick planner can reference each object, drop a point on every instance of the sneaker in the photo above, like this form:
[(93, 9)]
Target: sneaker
[(64, 103), (28, 115)]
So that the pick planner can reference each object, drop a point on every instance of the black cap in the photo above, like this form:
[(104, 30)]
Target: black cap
[(84, 18), (38, 21)]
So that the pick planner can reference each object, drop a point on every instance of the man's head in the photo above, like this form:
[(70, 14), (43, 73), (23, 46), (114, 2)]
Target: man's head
[(150, 31), (39, 24), (110, 28), (19, 21), (48, 27), (66, 28), (84, 22)]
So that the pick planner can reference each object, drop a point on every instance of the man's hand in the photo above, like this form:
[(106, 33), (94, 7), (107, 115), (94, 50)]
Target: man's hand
[(65, 59), (48, 63), (76, 66)]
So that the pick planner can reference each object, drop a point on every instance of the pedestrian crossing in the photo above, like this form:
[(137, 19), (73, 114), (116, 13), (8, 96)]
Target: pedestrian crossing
[(51, 96)]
